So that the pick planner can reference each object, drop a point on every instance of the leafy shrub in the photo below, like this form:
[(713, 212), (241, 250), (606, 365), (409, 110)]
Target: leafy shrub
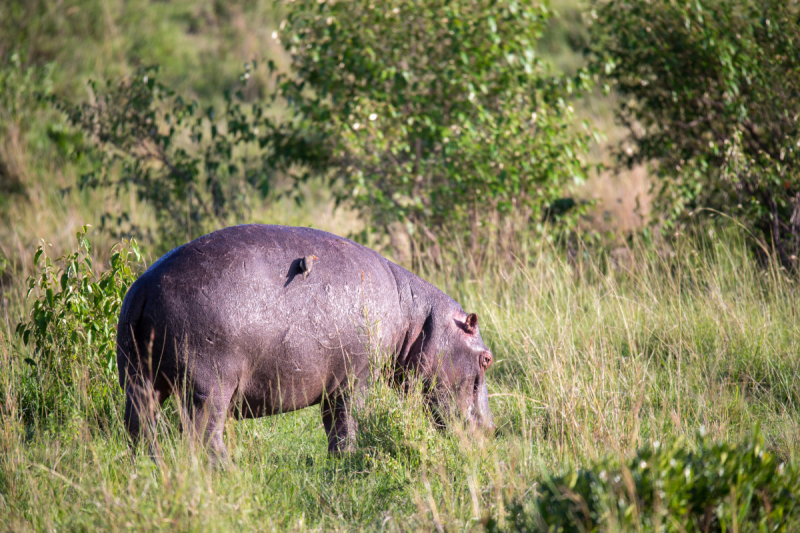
[(20, 88), (709, 92), (718, 487), (194, 168), (73, 321), (439, 117)]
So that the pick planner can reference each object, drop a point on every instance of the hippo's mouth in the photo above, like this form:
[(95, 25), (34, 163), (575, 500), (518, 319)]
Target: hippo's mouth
[(472, 411), (444, 410), (472, 415), (478, 414)]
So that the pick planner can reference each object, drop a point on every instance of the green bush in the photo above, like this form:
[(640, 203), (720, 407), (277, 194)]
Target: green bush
[(717, 487), (195, 169), (20, 88), (709, 92), (440, 117), (72, 325)]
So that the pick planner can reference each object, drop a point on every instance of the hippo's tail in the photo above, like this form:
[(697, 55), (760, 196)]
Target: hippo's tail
[(129, 318)]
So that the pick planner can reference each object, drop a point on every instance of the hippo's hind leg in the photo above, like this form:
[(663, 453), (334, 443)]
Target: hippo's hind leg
[(143, 398), (208, 411)]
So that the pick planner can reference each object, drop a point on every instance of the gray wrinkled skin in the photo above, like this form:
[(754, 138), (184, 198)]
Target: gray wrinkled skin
[(229, 322)]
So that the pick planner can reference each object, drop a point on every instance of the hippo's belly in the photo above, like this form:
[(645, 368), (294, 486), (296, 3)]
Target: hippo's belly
[(298, 353)]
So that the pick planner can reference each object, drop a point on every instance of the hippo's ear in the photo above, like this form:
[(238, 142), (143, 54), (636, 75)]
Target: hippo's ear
[(471, 323)]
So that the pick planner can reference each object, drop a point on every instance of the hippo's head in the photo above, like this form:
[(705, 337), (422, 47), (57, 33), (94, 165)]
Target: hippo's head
[(457, 375)]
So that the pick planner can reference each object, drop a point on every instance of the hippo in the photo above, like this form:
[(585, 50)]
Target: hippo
[(238, 324)]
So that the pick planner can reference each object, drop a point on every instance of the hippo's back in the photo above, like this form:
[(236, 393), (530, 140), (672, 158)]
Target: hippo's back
[(235, 305)]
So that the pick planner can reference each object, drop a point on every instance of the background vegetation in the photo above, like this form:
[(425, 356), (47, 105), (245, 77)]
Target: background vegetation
[(709, 93), (646, 360)]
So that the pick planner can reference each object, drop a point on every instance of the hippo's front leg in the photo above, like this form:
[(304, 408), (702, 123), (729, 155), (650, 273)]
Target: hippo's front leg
[(340, 425)]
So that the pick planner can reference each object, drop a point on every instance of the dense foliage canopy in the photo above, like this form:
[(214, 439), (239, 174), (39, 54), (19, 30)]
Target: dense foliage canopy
[(440, 116), (710, 91)]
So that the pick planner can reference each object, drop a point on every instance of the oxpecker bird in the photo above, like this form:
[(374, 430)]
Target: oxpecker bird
[(307, 263)]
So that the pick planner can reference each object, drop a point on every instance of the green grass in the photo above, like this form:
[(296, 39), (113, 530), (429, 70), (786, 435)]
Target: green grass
[(587, 366)]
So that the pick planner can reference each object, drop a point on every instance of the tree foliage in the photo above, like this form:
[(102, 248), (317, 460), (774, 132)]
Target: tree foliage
[(438, 115), (194, 167), (710, 91)]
